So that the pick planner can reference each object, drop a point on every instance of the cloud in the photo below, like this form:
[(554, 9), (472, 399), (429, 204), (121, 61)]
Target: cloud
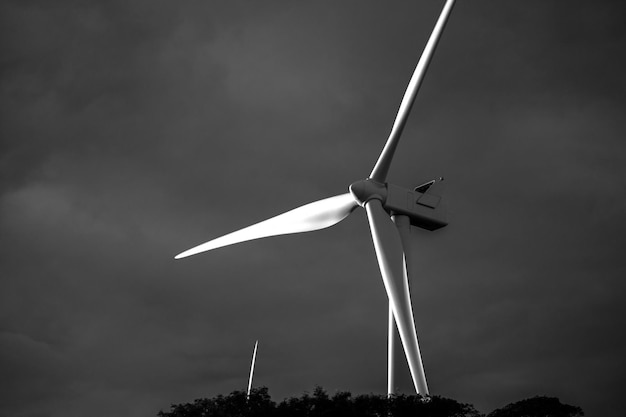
[(132, 131)]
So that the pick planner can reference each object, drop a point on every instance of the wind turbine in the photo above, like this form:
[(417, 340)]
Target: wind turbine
[(256, 345), (391, 211)]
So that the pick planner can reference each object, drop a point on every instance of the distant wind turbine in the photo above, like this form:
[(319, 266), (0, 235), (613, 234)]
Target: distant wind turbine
[(256, 345), (391, 211)]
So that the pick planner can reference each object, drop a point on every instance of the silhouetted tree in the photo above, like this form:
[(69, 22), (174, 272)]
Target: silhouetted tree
[(343, 404), (320, 404), (538, 407), (371, 406), (234, 405), (416, 405), (260, 403)]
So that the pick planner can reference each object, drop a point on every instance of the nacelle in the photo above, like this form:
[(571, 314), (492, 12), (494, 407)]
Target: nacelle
[(424, 205)]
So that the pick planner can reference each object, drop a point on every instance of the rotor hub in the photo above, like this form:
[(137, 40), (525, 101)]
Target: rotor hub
[(366, 190)]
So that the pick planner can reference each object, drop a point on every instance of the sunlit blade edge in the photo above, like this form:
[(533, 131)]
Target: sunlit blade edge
[(313, 216), (256, 345), (403, 225), (389, 253), (381, 168)]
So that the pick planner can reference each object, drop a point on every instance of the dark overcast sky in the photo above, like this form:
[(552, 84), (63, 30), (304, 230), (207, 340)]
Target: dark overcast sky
[(131, 131)]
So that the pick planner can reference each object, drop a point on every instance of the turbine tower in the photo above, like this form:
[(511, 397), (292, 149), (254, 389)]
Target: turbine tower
[(391, 212)]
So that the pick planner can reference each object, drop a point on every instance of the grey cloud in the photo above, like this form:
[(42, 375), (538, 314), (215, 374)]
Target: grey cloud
[(132, 131)]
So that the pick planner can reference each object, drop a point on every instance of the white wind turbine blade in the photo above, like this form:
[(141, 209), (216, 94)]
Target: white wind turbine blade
[(397, 373), (313, 216), (256, 345), (379, 173), (391, 261)]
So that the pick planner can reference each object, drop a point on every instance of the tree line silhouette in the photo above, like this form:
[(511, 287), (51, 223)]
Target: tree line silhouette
[(344, 404)]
